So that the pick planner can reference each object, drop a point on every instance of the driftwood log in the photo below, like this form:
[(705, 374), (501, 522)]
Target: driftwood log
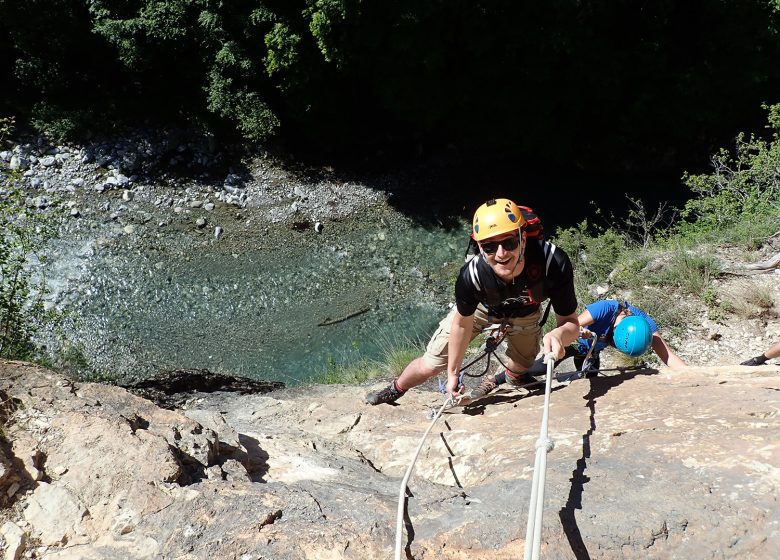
[(328, 321), (761, 267), (767, 265)]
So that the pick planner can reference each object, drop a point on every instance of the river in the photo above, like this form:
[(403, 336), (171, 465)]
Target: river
[(266, 303)]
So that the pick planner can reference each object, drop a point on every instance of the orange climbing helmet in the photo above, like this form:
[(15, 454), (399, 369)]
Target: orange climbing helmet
[(496, 216)]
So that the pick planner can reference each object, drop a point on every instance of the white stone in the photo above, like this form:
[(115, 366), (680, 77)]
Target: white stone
[(18, 162), (15, 540), (54, 513)]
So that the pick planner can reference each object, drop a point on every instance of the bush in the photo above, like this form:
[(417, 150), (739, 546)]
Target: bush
[(60, 125), (739, 202), (395, 356), (22, 235), (689, 271), (22, 313), (593, 256)]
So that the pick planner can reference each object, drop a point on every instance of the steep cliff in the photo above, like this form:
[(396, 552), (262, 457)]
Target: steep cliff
[(647, 464)]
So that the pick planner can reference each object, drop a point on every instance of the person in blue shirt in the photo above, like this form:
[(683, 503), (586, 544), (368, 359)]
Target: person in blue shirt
[(602, 318), (602, 322)]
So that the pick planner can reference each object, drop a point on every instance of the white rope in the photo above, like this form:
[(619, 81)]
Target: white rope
[(399, 528), (533, 533)]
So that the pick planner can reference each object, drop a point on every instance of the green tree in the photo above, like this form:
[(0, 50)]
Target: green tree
[(740, 198), (23, 232), (196, 55)]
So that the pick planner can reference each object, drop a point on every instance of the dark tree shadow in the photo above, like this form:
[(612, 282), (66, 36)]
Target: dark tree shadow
[(599, 386)]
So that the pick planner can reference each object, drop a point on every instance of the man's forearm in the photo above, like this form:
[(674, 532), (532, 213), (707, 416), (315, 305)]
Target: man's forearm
[(569, 331), (457, 349), (457, 343)]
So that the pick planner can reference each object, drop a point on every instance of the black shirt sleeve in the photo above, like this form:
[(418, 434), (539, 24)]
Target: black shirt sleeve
[(466, 297), (561, 283)]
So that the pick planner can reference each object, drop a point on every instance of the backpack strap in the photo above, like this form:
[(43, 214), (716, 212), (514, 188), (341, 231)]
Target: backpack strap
[(472, 249)]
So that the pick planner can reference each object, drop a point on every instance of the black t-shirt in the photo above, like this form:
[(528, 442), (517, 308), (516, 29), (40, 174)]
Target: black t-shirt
[(547, 274)]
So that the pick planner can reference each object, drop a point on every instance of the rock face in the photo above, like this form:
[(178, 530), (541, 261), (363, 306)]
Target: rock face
[(646, 464)]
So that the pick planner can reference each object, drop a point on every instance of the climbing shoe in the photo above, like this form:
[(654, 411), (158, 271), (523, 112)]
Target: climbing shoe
[(757, 361), (524, 379), (388, 395), (488, 385)]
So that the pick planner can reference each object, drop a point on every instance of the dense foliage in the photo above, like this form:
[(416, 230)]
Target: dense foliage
[(740, 199), (592, 83)]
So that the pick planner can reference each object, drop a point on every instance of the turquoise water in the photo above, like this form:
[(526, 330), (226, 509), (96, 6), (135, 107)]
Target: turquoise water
[(277, 307)]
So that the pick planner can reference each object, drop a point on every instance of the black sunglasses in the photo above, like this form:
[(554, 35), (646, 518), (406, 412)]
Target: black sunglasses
[(509, 244)]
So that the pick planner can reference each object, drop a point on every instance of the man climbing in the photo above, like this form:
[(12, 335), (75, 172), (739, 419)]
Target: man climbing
[(506, 282), (773, 352), (603, 323)]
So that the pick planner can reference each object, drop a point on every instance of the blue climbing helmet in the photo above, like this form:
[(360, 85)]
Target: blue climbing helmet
[(632, 335)]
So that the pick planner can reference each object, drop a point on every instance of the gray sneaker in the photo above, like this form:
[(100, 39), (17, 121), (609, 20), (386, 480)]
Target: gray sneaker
[(757, 361), (387, 395), (488, 385)]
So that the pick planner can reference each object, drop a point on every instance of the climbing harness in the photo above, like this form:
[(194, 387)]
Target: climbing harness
[(405, 481), (533, 533), (497, 333), (492, 342)]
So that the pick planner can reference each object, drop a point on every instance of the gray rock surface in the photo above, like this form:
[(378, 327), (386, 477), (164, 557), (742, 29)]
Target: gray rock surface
[(647, 464)]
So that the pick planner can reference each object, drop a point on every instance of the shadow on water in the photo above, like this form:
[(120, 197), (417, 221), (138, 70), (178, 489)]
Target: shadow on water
[(599, 386), (444, 190)]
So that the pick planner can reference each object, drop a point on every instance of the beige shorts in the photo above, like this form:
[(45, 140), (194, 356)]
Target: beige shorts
[(523, 339)]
